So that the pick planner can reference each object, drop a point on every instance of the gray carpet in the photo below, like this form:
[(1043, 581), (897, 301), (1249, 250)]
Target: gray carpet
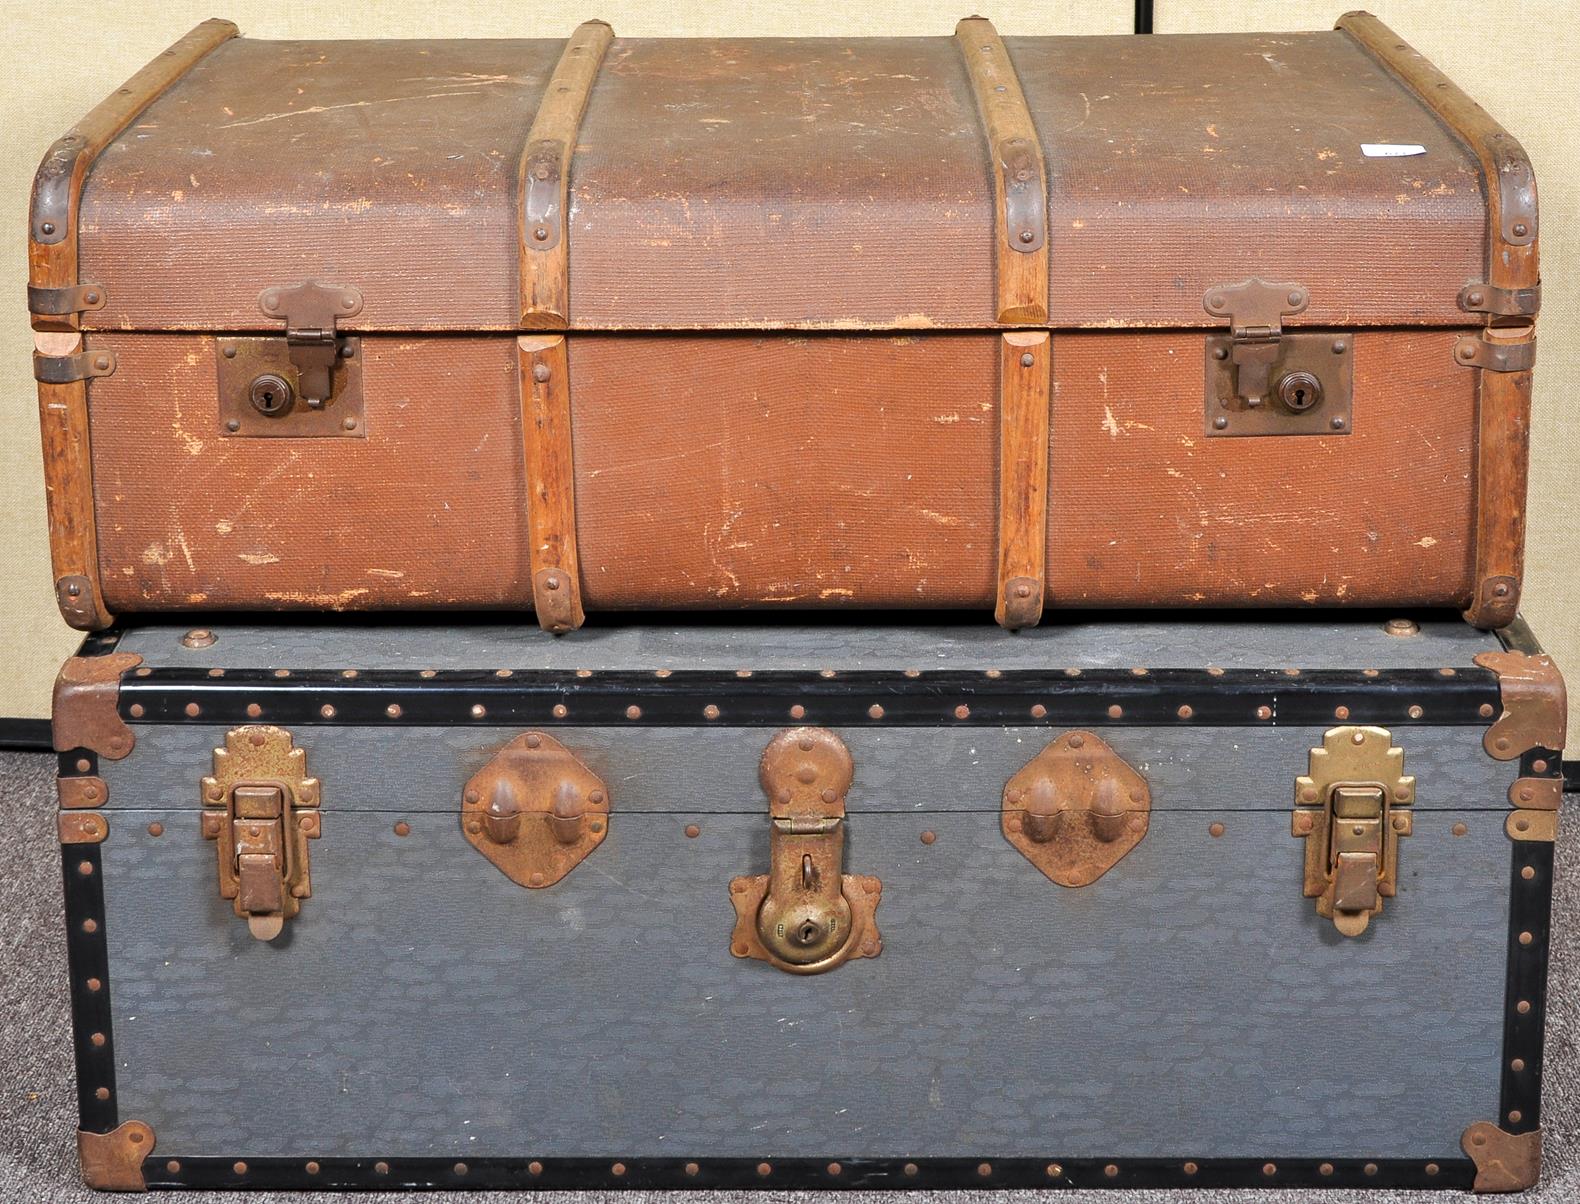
[(38, 1104)]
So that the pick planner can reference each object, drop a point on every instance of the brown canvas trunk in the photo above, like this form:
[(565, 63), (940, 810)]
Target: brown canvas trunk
[(616, 324)]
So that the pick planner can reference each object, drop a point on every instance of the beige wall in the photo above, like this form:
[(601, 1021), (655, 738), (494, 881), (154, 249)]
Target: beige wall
[(1520, 64)]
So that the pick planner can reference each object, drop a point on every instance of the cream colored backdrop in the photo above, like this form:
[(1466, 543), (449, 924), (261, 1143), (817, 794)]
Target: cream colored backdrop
[(1520, 64)]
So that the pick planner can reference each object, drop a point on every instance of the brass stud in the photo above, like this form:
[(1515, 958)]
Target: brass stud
[(402, 828), (929, 836), (633, 712), (834, 1168), (1269, 1169), (1370, 1168), (1459, 829), (1517, 1065), (1111, 1170), (984, 1169), (1190, 1168), (962, 711), (1116, 711), (692, 1168), (136, 710), (1185, 712), (765, 1169), (239, 1168), (156, 829), (1525, 937), (192, 710), (1264, 712), (1039, 711), (98, 1040), (1325, 1169), (1528, 872), (282, 673), (393, 710), (253, 710), (90, 926), (327, 711), (1515, 1116), (312, 1168), (1432, 1168), (103, 1093), (1416, 712), (1215, 830), (478, 710), (1341, 712), (93, 984), (85, 868), (710, 711), (617, 1170), (460, 1168), (381, 1168), (534, 1168), (173, 1167), (910, 1169), (875, 711), (798, 711), (1523, 1007)]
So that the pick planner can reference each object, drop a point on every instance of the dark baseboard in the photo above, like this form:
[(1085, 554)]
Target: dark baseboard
[(30, 735)]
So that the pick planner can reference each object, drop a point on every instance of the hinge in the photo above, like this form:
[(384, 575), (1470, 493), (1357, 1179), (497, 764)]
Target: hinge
[(310, 312), (260, 808), (66, 300), (1478, 351), (67, 369), (806, 915), (1351, 809), (1478, 298)]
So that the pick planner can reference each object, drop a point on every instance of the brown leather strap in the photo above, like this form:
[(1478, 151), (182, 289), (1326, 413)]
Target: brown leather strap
[(1503, 398), (53, 283), (1025, 373), (551, 493), (1020, 177), (545, 179)]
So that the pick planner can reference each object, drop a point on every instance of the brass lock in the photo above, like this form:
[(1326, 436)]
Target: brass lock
[(535, 811), (1076, 809), (260, 808), (806, 915), (1351, 809)]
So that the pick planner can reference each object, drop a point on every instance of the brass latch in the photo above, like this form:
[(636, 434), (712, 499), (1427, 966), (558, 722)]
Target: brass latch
[(260, 808), (806, 915), (1076, 809), (534, 810), (1264, 380), (1351, 809)]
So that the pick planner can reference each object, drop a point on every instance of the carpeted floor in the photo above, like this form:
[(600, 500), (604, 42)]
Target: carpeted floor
[(38, 1106)]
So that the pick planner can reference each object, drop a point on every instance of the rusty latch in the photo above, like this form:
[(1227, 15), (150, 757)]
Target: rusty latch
[(1255, 309), (806, 915), (310, 312), (1351, 810), (261, 809)]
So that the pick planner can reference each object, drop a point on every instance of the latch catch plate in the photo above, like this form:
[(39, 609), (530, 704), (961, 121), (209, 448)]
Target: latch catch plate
[(246, 366)]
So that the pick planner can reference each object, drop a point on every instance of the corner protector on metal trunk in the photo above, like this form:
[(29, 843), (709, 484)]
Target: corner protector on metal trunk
[(1504, 1161), (113, 1161), (84, 713), (1535, 705)]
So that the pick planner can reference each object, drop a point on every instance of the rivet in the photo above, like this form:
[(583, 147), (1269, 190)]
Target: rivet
[(1111, 1171), (1474, 298), (534, 1168), (233, 425), (478, 710), (595, 796), (98, 1039), (47, 227), (1077, 741), (1431, 1168), (1220, 424), (1215, 301), (173, 1167), (1038, 711), (1526, 938), (253, 710), (393, 710), (156, 829), (1340, 346), (1185, 712), (1023, 590), (710, 711), (349, 424), (1027, 359), (1528, 873), (460, 1168), (798, 711), (1521, 229), (1215, 830), (1467, 351), (765, 1169), (1027, 236), (1220, 353), (834, 1168), (93, 984), (327, 711), (1296, 297), (192, 710), (1416, 712), (929, 836), (1517, 1065), (962, 711), (402, 828), (1269, 1169), (633, 712), (381, 1168), (984, 1169), (829, 796), (534, 740), (83, 764), (910, 1169), (540, 372), (875, 711), (1190, 1168), (1501, 590), (239, 1168), (1116, 711), (693, 831), (692, 1168), (135, 710), (312, 1168), (1485, 710), (1358, 738), (1370, 1168), (540, 233), (617, 1169), (1523, 1006), (1459, 829), (1539, 766)]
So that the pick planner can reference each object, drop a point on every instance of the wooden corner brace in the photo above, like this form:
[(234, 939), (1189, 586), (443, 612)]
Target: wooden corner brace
[(113, 1161), (544, 179), (1512, 274), (551, 482), (1020, 176), (1025, 375), (57, 299)]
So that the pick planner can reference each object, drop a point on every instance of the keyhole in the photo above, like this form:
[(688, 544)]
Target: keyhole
[(270, 394), (807, 933), (1299, 391)]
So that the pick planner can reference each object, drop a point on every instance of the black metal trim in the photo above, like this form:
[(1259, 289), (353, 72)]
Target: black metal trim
[(27, 735), (940, 698), (1530, 908), (867, 1174), (88, 964), (1518, 637)]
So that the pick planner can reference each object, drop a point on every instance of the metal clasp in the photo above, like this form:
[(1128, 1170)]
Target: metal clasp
[(1351, 809), (310, 312), (260, 808), (806, 915)]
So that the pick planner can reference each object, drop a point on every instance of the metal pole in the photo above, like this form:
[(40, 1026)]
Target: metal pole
[(1143, 16)]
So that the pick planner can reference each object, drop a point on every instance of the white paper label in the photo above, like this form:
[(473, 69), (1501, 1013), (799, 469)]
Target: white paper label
[(1391, 150)]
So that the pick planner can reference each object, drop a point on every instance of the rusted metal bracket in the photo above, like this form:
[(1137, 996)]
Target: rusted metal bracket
[(113, 1161), (63, 300), (1495, 355), (1481, 298), (551, 482), (81, 827), (73, 367), (535, 810), (1537, 794), (1535, 705), (311, 312), (1025, 379), (1076, 809), (1020, 176), (1351, 808), (1504, 1161), (544, 179), (260, 808), (75, 793), (85, 710), (806, 915)]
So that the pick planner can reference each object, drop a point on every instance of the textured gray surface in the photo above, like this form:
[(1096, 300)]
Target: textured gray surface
[(1183, 1006), (900, 769), (1304, 642), (37, 1102)]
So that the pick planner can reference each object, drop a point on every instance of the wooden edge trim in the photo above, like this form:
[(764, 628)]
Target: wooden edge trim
[(86, 711), (1504, 1161), (57, 185), (1506, 168), (68, 490), (1535, 704), (551, 482), (1025, 373), (1512, 266), (1020, 175), (113, 1161), (544, 179)]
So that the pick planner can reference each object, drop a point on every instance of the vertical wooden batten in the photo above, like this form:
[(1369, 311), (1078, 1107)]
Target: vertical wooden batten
[(57, 298), (551, 482), (544, 179), (1025, 376), (1509, 297), (1020, 177)]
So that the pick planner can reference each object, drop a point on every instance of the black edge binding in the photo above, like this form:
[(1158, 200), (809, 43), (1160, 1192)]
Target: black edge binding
[(88, 964), (943, 698)]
